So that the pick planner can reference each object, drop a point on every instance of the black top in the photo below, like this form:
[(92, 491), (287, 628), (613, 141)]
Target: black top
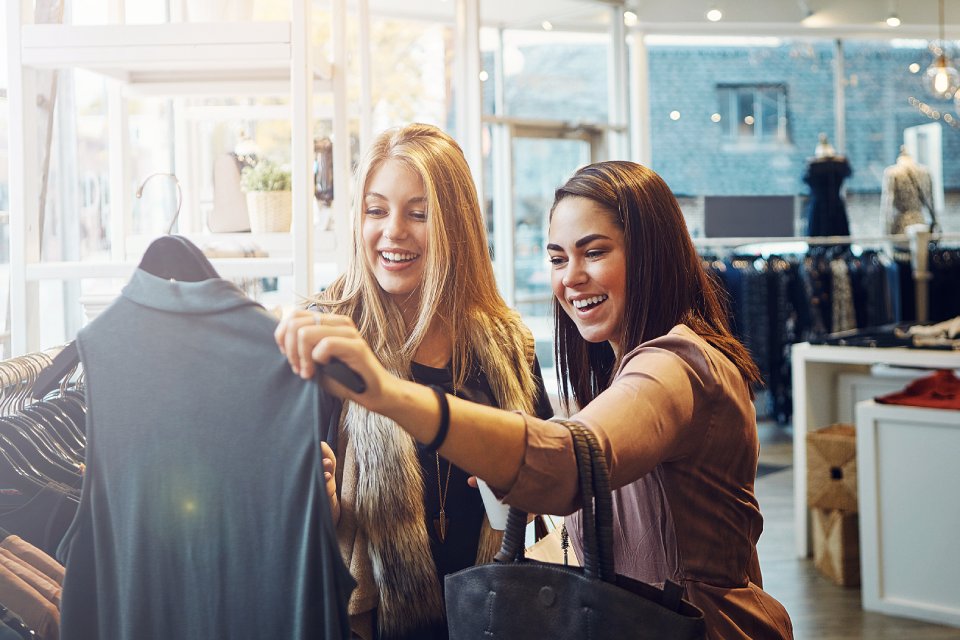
[(826, 211), (463, 505)]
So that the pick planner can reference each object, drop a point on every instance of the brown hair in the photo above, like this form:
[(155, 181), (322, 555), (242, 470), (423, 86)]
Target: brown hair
[(666, 284)]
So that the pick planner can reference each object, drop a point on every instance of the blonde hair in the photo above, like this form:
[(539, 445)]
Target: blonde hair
[(458, 286)]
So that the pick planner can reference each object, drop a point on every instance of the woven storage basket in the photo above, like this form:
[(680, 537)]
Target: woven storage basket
[(832, 468), (270, 211), (836, 545)]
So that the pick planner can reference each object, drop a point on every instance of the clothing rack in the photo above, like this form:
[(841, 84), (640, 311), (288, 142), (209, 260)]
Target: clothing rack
[(18, 374), (917, 238)]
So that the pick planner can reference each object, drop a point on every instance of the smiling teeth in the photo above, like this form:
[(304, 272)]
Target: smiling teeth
[(586, 302), (398, 257)]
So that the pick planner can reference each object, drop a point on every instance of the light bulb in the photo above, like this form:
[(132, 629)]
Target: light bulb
[(941, 82), (942, 78), (893, 20), (714, 15)]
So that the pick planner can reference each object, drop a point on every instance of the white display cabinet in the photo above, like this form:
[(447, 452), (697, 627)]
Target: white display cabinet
[(908, 480), (176, 59), (817, 390)]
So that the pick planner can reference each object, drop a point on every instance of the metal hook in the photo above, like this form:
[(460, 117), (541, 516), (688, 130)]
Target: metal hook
[(179, 195)]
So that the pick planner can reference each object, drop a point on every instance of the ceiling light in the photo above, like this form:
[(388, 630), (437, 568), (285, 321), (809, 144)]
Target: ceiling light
[(547, 25), (715, 117), (914, 67), (893, 20), (630, 18), (484, 76), (941, 78), (714, 15), (674, 115)]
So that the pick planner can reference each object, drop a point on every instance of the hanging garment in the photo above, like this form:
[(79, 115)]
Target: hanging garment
[(203, 512), (36, 611), (844, 317), (940, 390), (42, 518), (826, 210), (906, 190), (943, 301), (31, 555)]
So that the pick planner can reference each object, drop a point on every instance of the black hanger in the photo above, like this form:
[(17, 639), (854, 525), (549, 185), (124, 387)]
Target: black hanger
[(168, 257), (174, 257)]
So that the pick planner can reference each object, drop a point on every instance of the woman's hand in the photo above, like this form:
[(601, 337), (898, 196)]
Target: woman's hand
[(309, 338), (330, 477)]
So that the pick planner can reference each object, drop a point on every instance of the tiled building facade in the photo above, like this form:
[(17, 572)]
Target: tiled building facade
[(698, 156)]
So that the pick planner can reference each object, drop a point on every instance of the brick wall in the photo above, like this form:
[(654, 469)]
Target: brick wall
[(568, 82)]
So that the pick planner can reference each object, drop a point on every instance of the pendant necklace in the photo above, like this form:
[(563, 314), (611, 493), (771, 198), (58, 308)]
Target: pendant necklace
[(441, 521)]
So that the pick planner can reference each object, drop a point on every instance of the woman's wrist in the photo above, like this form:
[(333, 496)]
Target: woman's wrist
[(413, 406)]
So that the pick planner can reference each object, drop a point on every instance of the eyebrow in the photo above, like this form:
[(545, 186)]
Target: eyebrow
[(416, 200), (579, 243)]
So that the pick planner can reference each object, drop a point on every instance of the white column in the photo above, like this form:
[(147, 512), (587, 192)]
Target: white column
[(118, 134), (301, 132), (341, 136), (467, 89), (24, 188), (640, 100), (363, 52), (503, 222), (617, 87), (839, 98)]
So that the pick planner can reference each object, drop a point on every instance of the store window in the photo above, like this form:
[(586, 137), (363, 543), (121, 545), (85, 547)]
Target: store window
[(753, 114)]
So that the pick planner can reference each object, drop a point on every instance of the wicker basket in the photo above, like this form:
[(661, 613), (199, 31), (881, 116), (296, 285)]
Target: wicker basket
[(836, 545), (270, 211), (832, 468)]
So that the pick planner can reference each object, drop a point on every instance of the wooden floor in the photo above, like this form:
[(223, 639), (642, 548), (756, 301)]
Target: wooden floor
[(819, 609)]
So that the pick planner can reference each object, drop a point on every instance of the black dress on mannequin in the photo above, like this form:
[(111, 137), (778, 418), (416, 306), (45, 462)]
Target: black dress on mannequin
[(826, 210)]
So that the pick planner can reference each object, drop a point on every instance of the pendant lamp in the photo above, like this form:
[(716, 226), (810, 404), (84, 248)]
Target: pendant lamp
[(941, 78)]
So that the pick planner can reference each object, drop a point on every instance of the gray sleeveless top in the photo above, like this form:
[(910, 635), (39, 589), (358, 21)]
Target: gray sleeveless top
[(203, 511)]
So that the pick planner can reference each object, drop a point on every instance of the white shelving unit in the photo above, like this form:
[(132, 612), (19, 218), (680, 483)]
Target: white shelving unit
[(816, 370), (174, 59)]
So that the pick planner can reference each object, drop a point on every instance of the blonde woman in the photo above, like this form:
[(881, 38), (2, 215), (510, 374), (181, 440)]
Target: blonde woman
[(420, 289)]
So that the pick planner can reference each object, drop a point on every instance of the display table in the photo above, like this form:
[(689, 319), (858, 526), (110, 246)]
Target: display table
[(816, 375), (907, 481)]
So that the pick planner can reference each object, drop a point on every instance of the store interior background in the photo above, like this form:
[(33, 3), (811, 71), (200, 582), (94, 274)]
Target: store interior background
[(732, 107)]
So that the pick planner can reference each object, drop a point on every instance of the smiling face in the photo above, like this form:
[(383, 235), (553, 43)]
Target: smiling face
[(394, 230), (589, 268)]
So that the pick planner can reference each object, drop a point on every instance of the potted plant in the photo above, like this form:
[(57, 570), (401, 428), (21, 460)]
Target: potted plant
[(269, 199)]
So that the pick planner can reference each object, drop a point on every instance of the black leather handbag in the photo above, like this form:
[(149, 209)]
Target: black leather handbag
[(516, 598)]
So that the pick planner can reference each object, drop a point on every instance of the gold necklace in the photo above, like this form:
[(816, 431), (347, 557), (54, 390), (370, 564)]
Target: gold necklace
[(440, 522)]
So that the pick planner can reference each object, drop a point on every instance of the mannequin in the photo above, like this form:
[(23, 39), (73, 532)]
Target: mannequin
[(826, 210), (906, 191), (824, 148)]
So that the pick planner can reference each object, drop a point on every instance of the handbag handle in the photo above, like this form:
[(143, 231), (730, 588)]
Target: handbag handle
[(594, 480)]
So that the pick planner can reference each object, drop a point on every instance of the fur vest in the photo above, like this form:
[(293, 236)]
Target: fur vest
[(382, 531)]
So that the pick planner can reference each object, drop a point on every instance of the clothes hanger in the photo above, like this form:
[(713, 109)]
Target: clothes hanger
[(173, 257), (57, 419), (15, 470)]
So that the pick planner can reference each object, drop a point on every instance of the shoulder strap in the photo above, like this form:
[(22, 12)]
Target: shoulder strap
[(923, 199)]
